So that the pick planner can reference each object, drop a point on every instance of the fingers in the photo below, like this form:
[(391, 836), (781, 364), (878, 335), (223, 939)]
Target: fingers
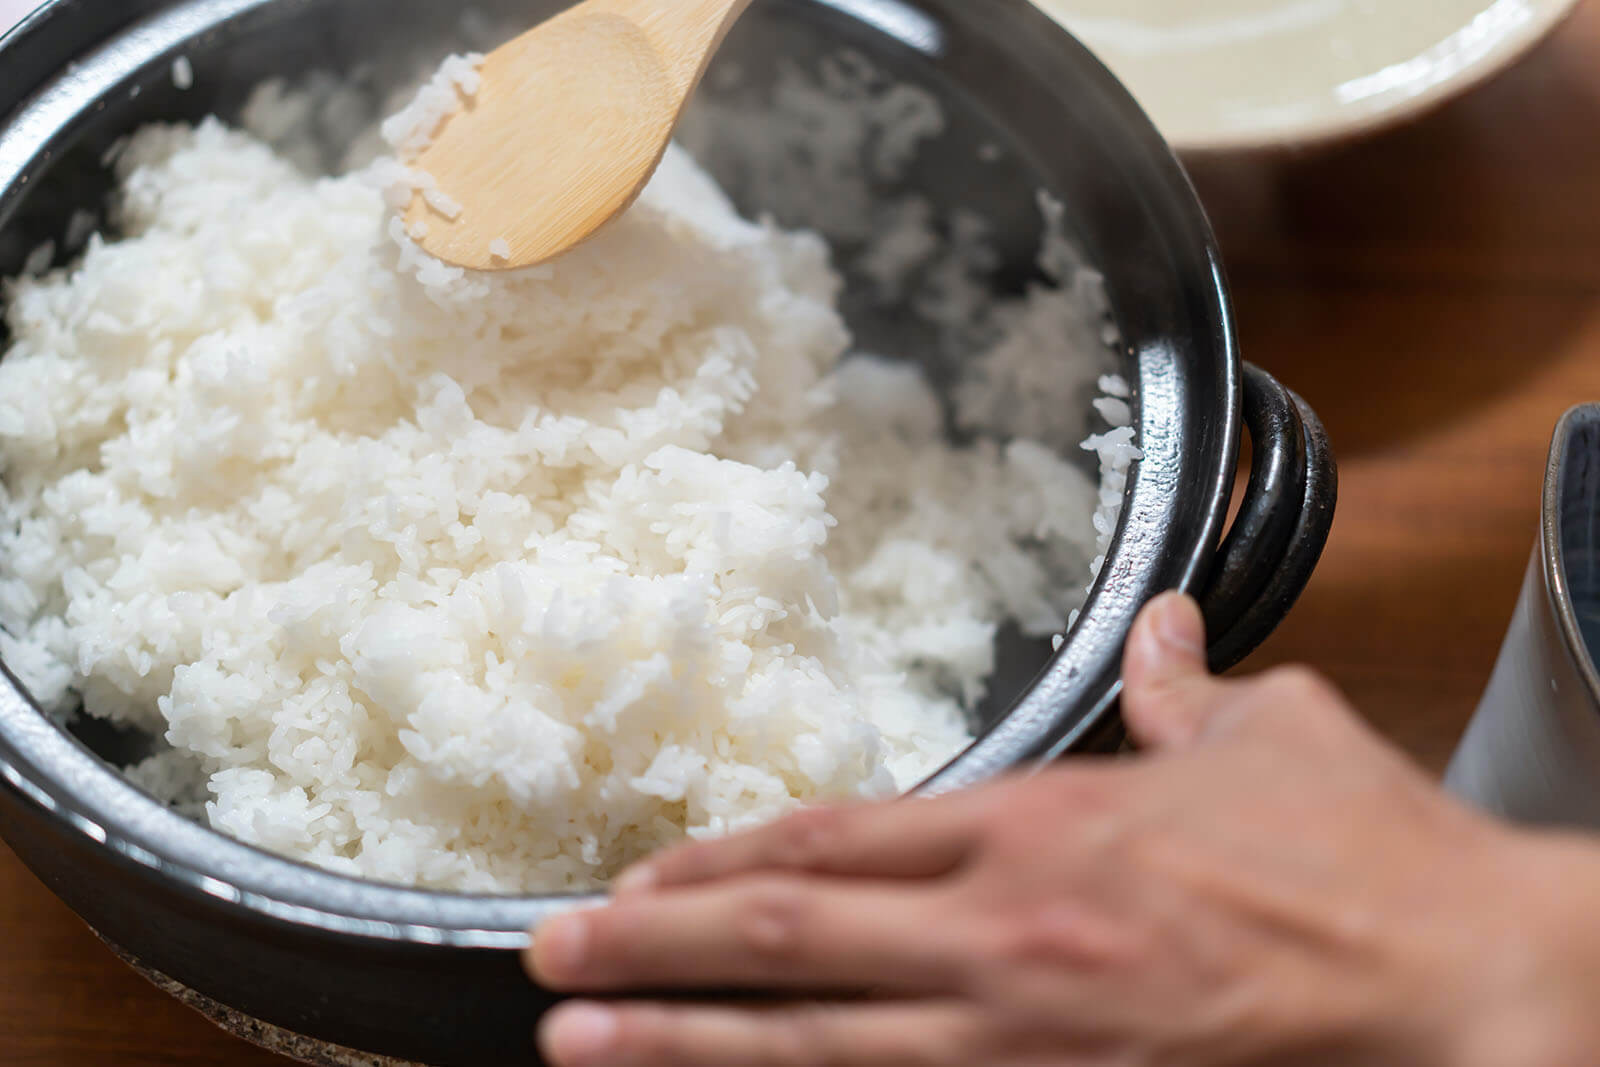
[(1291, 705), (1169, 694), (919, 1034), (1171, 699), (767, 932), (912, 838)]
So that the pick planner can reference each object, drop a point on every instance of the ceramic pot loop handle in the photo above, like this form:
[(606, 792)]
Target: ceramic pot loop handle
[(1282, 525)]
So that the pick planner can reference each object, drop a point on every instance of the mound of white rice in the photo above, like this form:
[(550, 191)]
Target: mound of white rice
[(496, 583)]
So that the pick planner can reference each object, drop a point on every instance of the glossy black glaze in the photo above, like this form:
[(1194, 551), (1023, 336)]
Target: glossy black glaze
[(1285, 516), (431, 976)]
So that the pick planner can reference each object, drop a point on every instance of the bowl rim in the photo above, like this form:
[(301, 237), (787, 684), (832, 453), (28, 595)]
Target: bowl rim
[(52, 771), (1351, 122)]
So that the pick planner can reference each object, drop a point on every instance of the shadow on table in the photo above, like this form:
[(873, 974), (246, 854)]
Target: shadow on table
[(1403, 282)]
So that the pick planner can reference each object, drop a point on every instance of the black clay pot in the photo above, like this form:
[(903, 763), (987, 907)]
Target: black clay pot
[(434, 977)]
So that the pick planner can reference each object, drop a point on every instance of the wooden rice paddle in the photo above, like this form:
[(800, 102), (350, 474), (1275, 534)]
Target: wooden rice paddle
[(571, 121)]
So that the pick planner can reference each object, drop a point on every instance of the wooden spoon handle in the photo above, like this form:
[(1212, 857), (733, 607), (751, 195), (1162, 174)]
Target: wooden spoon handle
[(686, 33)]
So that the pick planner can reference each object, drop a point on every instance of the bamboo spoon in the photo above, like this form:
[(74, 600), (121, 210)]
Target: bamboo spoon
[(571, 120)]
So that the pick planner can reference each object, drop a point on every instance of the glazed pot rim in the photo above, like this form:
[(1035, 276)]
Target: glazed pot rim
[(1552, 547), (46, 767)]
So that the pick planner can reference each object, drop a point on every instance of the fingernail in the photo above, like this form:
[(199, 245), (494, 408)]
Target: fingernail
[(579, 1033), (636, 879), (1178, 624), (559, 946)]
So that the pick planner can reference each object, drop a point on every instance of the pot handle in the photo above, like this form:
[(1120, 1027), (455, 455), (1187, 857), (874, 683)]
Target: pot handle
[(1277, 538)]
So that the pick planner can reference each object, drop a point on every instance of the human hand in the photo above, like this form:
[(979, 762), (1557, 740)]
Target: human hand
[(1269, 884)]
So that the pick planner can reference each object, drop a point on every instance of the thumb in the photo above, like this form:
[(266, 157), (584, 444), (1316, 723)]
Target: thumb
[(1169, 694)]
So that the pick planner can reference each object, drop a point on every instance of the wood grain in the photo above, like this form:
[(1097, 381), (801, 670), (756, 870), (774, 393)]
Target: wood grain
[(1435, 293), (570, 122)]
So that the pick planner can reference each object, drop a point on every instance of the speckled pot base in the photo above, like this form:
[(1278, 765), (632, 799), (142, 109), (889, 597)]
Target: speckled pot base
[(273, 1039)]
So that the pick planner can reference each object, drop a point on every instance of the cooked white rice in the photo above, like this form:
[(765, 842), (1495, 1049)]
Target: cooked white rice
[(495, 583)]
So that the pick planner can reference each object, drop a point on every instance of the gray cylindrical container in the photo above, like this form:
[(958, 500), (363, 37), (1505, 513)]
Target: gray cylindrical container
[(1532, 752)]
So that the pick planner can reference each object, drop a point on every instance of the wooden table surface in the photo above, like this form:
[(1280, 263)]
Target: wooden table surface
[(1435, 294)]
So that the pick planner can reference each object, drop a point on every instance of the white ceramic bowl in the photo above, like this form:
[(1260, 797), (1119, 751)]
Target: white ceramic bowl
[(11, 11), (1238, 74)]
